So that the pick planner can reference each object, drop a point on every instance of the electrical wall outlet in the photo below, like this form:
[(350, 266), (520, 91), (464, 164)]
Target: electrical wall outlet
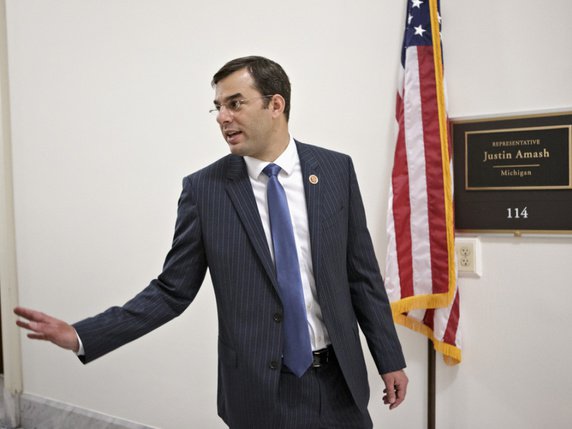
[(468, 252)]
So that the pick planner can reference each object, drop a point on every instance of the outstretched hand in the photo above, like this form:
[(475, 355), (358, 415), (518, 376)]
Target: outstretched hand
[(47, 328), (395, 388)]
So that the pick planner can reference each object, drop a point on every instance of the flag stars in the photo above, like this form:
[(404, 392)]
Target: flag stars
[(419, 30), (417, 3), (409, 19)]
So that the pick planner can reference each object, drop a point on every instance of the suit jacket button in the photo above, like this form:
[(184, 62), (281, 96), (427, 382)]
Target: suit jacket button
[(277, 317), (273, 364)]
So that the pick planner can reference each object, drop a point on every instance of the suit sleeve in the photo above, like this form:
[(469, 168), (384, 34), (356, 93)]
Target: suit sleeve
[(163, 299), (369, 297)]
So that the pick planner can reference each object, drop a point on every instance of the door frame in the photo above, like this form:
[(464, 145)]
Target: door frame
[(8, 269)]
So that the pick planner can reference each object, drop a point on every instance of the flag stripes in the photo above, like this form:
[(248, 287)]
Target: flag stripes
[(420, 268)]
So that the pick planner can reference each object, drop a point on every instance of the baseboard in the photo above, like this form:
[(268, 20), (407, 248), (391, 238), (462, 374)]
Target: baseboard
[(37, 412)]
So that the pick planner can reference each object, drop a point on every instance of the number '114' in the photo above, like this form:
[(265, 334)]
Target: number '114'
[(516, 213)]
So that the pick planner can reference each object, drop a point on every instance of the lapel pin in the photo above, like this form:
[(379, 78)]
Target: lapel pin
[(313, 179)]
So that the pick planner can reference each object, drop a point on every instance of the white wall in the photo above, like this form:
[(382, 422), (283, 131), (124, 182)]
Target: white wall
[(109, 110)]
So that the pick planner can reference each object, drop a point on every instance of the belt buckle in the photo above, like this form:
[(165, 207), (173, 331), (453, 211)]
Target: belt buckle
[(319, 358)]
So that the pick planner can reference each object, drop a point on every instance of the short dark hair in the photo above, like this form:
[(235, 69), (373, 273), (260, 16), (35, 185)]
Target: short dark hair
[(269, 77)]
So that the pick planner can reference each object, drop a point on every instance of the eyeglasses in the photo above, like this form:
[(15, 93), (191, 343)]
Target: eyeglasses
[(234, 105)]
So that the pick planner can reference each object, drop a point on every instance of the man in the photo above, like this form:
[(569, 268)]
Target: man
[(289, 348)]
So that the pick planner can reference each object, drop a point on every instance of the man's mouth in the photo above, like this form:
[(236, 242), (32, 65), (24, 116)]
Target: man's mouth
[(232, 136)]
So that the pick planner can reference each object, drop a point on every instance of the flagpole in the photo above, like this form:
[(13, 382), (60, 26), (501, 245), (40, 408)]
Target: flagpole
[(430, 385)]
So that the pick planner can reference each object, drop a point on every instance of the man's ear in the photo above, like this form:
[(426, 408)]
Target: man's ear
[(277, 105)]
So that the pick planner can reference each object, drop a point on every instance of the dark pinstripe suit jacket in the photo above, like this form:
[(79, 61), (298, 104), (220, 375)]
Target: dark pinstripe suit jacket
[(219, 227)]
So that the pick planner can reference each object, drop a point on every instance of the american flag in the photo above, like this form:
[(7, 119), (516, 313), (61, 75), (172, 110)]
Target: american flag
[(421, 275)]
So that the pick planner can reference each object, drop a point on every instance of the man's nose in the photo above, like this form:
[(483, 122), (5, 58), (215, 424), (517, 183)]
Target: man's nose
[(224, 116)]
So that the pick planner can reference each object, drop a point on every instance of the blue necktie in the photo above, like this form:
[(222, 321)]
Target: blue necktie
[(297, 348)]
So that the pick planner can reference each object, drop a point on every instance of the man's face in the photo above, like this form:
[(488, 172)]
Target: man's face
[(248, 130)]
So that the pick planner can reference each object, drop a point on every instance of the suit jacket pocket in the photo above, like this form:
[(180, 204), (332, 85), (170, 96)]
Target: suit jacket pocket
[(226, 354)]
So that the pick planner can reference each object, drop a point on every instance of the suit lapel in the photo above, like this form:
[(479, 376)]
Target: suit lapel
[(239, 190), (311, 172)]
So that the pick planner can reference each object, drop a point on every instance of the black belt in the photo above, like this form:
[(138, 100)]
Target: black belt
[(322, 357)]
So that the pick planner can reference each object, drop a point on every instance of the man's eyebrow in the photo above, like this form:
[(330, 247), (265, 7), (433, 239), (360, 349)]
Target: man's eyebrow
[(230, 97)]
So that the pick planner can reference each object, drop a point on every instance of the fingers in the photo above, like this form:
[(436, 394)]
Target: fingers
[(393, 400), (35, 321), (25, 312), (389, 397), (37, 337), (47, 328), (396, 398), (24, 325), (31, 315), (396, 388)]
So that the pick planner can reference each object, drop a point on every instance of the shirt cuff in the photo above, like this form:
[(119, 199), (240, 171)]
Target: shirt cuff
[(81, 351)]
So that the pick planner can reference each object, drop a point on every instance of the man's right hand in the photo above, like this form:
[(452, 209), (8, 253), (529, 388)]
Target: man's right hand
[(47, 328)]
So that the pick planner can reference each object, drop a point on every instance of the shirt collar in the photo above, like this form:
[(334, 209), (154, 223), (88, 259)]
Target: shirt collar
[(287, 161)]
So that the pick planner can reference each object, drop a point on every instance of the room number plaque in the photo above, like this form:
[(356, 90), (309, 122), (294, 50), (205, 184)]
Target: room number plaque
[(513, 174)]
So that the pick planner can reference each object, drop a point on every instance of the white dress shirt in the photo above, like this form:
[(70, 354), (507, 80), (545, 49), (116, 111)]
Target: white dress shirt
[(290, 177)]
